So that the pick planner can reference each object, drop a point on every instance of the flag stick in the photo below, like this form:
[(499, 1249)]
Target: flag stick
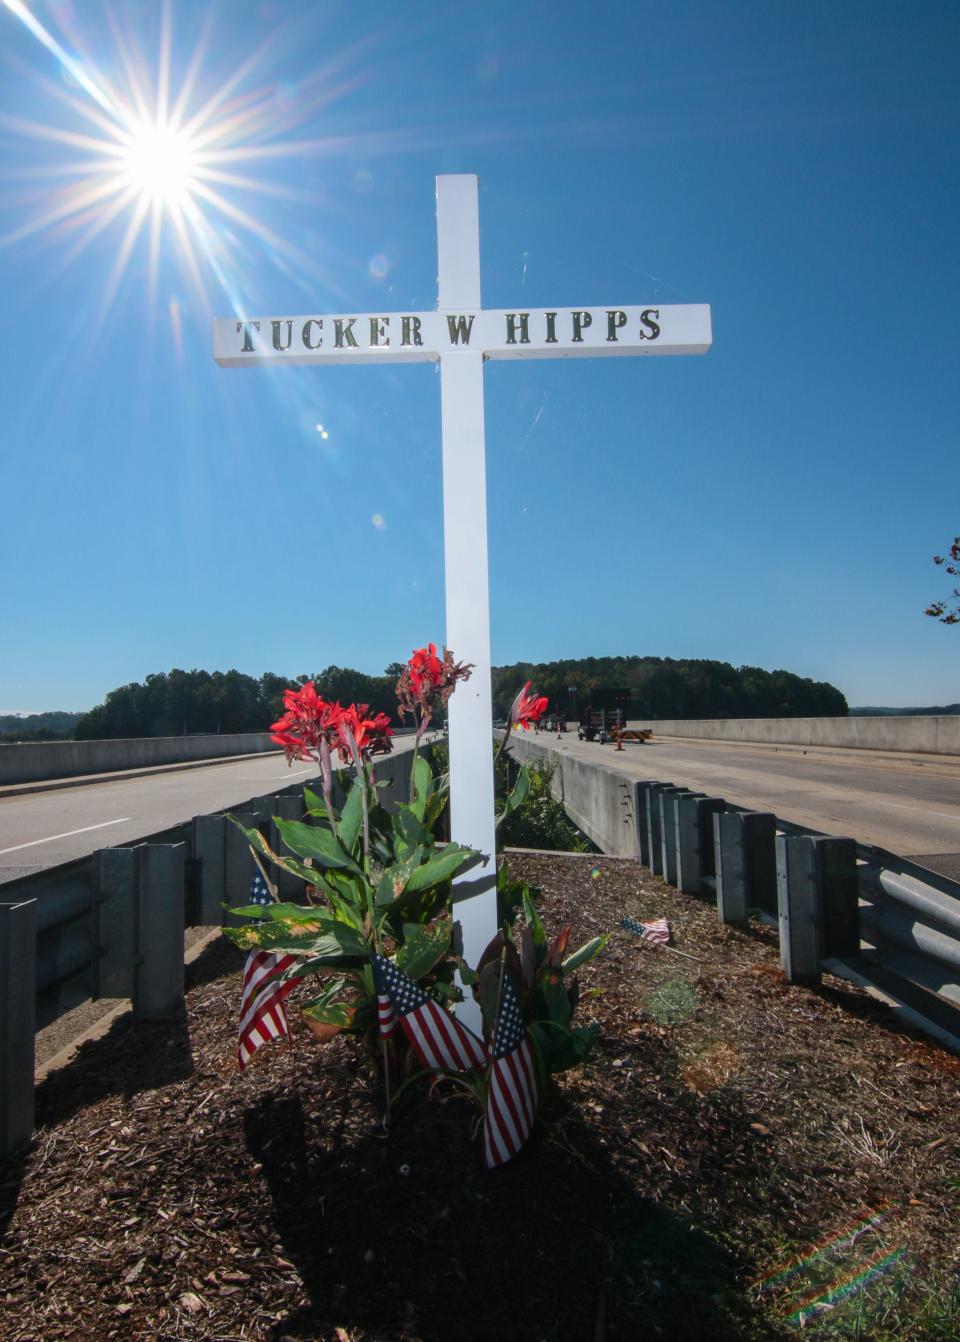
[(386, 1073), (274, 892), (496, 1014), (672, 949)]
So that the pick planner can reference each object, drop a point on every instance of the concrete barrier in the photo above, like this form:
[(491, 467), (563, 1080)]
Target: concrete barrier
[(936, 735), (33, 761), (600, 801)]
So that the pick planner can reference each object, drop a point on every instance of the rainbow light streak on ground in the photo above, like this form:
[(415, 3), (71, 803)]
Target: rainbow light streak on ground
[(874, 1267), (845, 1236), (812, 1298)]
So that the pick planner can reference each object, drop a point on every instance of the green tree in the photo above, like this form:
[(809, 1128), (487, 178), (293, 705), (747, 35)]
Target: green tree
[(948, 611)]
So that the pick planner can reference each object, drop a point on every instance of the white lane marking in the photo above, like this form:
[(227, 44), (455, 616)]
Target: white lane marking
[(917, 810), (51, 838)]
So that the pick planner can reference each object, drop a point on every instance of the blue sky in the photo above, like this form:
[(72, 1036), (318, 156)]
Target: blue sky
[(775, 503)]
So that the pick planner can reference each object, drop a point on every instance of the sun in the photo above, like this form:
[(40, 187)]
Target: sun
[(164, 157), (159, 162)]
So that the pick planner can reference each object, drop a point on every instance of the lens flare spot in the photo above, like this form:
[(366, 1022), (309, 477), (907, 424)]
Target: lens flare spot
[(595, 874), (378, 522), (363, 182), (379, 266), (488, 67), (176, 327), (673, 1002)]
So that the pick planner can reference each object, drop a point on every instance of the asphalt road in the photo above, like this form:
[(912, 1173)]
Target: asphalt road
[(41, 829), (909, 804)]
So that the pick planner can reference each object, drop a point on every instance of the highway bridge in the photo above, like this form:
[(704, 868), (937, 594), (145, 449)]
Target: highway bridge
[(907, 803)]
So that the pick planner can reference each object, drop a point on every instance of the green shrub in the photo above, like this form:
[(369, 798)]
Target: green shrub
[(541, 822)]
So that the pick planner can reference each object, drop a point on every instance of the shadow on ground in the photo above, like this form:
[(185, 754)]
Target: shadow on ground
[(12, 1174), (133, 1056), (410, 1237)]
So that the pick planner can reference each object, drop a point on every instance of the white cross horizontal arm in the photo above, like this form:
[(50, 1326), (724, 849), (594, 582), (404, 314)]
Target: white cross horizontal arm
[(415, 337)]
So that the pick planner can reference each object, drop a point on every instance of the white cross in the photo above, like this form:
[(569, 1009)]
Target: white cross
[(461, 335)]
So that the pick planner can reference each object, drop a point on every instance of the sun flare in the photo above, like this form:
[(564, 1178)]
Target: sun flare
[(152, 152), (160, 163)]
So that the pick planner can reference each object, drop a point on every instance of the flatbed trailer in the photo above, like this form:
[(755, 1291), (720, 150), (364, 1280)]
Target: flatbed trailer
[(607, 724)]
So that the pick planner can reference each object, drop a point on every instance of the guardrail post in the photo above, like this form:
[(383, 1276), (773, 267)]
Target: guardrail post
[(288, 886), (654, 831), (687, 829), (666, 830), (839, 897), (640, 798), (760, 832), (731, 868), (239, 867), (158, 980), (18, 997), (798, 892), (670, 835), (707, 808), (745, 862), (209, 848), (693, 814), (113, 948)]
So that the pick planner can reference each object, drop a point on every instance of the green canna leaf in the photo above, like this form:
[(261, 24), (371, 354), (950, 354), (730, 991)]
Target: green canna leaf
[(422, 786), (585, 953), (518, 794), (446, 863), (351, 818), (422, 946), (316, 842)]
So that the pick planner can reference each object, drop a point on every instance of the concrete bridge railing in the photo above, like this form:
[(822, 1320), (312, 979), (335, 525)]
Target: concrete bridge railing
[(34, 761), (934, 735)]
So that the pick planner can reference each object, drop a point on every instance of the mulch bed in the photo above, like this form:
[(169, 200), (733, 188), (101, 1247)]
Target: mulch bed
[(738, 1152)]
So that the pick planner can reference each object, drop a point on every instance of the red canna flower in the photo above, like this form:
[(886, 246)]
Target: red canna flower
[(427, 682), (527, 708), (308, 722), (425, 669), (371, 736)]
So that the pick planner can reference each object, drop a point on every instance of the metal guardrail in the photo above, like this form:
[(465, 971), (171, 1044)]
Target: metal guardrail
[(853, 906), (112, 925)]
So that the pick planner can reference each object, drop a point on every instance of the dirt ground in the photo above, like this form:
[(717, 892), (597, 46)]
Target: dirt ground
[(742, 1158)]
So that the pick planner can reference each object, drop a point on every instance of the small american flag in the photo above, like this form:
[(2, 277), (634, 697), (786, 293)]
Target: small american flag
[(657, 931), (512, 1084), (438, 1039), (262, 1016)]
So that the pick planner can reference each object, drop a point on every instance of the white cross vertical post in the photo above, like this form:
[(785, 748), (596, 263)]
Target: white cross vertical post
[(461, 334), (470, 713)]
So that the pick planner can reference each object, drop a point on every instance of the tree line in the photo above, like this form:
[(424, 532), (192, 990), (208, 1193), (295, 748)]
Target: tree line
[(662, 687), (172, 703), (56, 725)]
